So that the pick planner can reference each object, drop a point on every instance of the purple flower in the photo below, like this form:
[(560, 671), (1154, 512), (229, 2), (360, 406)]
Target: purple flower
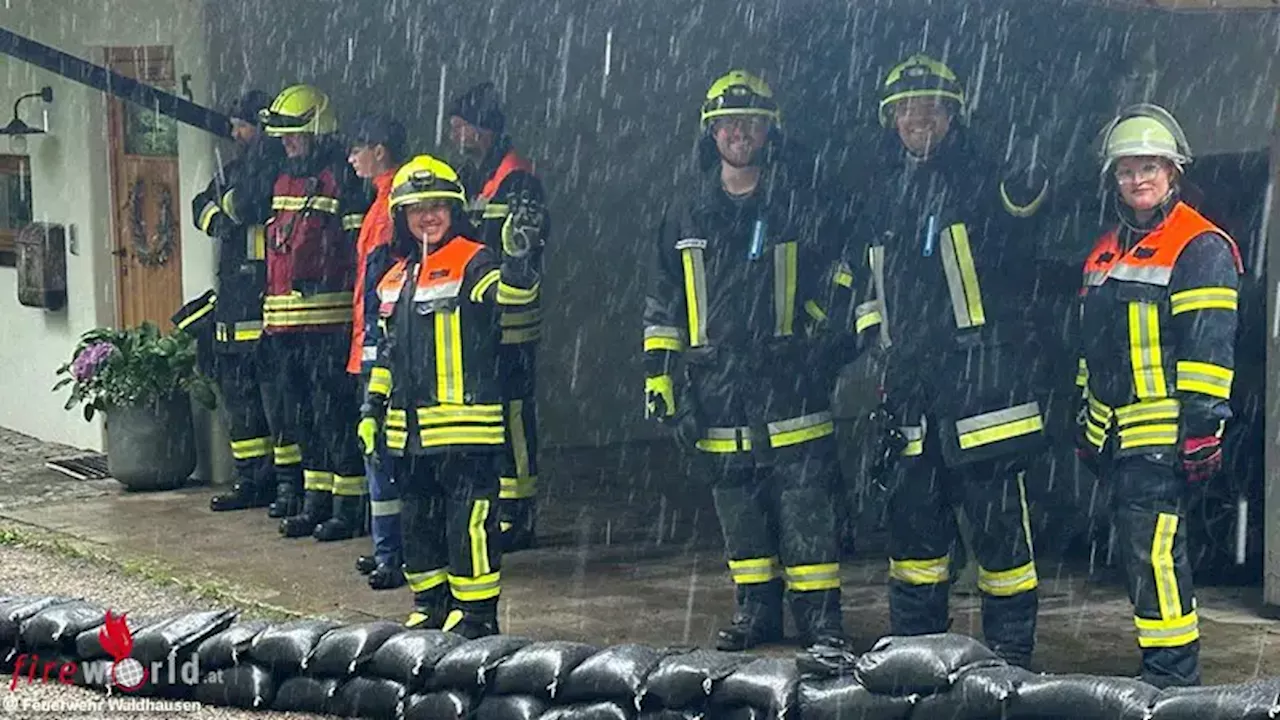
[(87, 362)]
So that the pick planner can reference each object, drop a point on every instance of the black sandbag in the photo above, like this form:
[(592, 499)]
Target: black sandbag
[(55, 628), (671, 715), (510, 707), (243, 686), (284, 648), (89, 642), (226, 648), (920, 664), (18, 610), (179, 637), (443, 705), (687, 679), (367, 697), (305, 694), (742, 712), (978, 693), (844, 698), (342, 651), (768, 684), (600, 710), (615, 673), (1257, 700), (469, 665), (1082, 697), (410, 657), (539, 668)]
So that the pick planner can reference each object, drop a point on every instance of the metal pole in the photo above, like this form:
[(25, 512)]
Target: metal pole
[(113, 83)]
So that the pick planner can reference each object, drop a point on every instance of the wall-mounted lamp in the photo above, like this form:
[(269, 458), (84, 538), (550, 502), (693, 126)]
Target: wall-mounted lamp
[(17, 130)]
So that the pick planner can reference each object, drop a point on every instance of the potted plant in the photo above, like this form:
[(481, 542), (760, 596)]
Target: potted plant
[(143, 382)]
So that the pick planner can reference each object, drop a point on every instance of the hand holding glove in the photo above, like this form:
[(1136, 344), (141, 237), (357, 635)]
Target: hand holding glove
[(522, 230), (660, 397), (367, 431), (1201, 457)]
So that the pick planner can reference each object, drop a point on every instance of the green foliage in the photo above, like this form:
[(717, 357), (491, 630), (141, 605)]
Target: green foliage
[(127, 368)]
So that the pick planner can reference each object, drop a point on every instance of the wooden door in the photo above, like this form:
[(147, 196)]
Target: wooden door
[(145, 195)]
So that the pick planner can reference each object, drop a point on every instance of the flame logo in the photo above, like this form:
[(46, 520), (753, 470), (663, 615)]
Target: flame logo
[(117, 641)]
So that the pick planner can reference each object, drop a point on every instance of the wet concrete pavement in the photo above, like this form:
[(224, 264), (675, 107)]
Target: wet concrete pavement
[(639, 563)]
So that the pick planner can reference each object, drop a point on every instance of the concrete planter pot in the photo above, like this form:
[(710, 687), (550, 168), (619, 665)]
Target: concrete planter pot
[(152, 446)]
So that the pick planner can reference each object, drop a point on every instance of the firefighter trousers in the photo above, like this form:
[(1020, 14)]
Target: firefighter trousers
[(384, 504), (518, 471), (255, 418), (1148, 498), (316, 396), (777, 514), (450, 528), (922, 522)]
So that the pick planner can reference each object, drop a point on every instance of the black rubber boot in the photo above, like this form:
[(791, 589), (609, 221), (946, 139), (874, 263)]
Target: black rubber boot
[(243, 495), (386, 576), (518, 521), (317, 506), (288, 501), (473, 620), (366, 564), (818, 618), (430, 609), (350, 519), (758, 619)]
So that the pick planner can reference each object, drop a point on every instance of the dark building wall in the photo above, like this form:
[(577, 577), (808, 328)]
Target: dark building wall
[(610, 144)]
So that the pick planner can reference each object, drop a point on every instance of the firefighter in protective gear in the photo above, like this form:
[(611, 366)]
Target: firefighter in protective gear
[(376, 151), (963, 369), (234, 314), (312, 215), (740, 301), (506, 197), (1158, 319), (434, 396)]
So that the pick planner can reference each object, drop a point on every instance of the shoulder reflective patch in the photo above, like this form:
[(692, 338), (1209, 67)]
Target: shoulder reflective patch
[(699, 243)]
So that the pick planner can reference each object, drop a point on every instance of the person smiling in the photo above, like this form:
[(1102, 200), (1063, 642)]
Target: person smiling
[(1158, 325)]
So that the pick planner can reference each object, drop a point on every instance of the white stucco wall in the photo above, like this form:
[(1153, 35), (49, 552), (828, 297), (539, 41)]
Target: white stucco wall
[(70, 182)]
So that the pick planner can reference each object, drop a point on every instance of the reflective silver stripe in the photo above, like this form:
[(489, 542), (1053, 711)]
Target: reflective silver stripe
[(726, 433), (437, 291), (799, 423), (663, 331), (695, 286), (1094, 278), (255, 242), (998, 417), (875, 259), (912, 432), (1151, 275), (784, 288), (384, 508), (368, 352)]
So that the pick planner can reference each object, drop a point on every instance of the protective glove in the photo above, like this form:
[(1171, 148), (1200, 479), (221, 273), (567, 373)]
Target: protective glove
[(367, 431), (660, 397), (1201, 457), (522, 230)]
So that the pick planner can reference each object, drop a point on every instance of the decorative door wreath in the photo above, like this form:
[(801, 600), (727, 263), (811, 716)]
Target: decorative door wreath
[(153, 251)]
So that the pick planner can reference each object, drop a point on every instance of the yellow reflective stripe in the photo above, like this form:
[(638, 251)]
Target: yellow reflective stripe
[(914, 435), (421, 581), (809, 578), (1082, 373), (255, 242), (519, 440), (1146, 412), (479, 537), (453, 414), (992, 427), (495, 211), (512, 488), (298, 301), (350, 485), (725, 440), (1144, 351), (784, 288), (801, 429), (962, 277), (1026, 513), (931, 571), (1137, 436), (251, 448), (1023, 211), (448, 326), (512, 295), (397, 418), (517, 319), (352, 221), (288, 454), (663, 337), (1007, 583), (483, 284), (228, 203), (303, 318), (1204, 298), (315, 202), (516, 336), (472, 589), (205, 309), (397, 439), (1205, 378), (867, 315), (1167, 594), (239, 332), (384, 508), (380, 381), (1168, 633), (812, 309), (295, 309), (844, 275), (695, 294), (317, 480), (461, 435), (206, 216), (753, 571)]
